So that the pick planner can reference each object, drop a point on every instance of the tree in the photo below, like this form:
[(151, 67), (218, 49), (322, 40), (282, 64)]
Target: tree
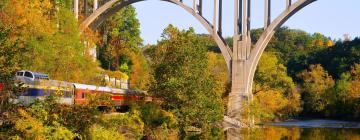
[(353, 96), (218, 70), (316, 84), (276, 96), (354, 88), (50, 40), (10, 61), (122, 33), (182, 81), (121, 47)]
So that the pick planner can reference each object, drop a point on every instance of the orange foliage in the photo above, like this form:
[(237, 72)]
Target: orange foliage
[(318, 42), (26, 17), (140, 75), (329, 43)]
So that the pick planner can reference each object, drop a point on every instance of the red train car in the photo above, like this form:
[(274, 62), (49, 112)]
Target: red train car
[(119, 97), (1, 86)]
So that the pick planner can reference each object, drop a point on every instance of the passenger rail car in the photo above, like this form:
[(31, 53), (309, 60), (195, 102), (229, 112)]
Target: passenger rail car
[(119, 97), (39, 85)]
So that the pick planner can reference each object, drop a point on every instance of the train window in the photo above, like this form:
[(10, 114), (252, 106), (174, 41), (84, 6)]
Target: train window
[(28, 74), (83, 95), (19, 73), (67, 94)]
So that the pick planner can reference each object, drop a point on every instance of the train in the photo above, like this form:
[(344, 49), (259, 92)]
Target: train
[(38, 85), (1, 86)]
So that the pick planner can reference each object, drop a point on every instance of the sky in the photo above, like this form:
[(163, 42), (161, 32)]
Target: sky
[(333, 18)]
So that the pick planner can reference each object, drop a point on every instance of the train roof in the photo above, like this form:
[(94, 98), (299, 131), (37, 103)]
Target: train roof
[(37, 75), (108, 89), (118, 91), (92, 87), (83, 86), (105, 89), (40, 75)]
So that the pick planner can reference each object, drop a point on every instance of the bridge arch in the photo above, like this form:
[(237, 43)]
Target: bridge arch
[(268, 34), (111, 7)]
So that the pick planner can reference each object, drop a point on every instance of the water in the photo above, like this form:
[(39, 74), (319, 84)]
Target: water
[(305, 130)]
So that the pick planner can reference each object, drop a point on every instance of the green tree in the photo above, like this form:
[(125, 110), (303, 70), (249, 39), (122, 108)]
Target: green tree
[(182, 81), (121, 47), (122, 31)]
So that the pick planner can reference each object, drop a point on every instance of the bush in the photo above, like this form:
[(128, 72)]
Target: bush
[(97, 132), (159, 124)]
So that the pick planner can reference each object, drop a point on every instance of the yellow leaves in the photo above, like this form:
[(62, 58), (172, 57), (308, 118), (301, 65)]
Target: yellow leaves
[(355, 71), (128, 126), (318, 42), (117, 74), (318, 76), (28, 17), (218, 69), (29, 126), (19, 11), (316, 84), (354, 89), (274, 90), (323, 42), (272, 100), (140, 74), (329, 43), (99, 132), (59, 132)]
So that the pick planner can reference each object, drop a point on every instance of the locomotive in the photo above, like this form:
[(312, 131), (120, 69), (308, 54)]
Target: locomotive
[(39, 85)]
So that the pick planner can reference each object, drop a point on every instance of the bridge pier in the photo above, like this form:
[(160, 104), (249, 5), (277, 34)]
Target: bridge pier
[(241, 86), (240, 81), (95, 6), (76, 9)]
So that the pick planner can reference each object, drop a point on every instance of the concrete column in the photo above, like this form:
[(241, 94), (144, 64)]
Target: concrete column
[(86, 7), (236, 17), (76, 9), (267, 14), (95, 5), (245, 17), (288, 3), (238, 92), (215, 17), (200, 7), (248, 25), (220, 18), (248, 15)]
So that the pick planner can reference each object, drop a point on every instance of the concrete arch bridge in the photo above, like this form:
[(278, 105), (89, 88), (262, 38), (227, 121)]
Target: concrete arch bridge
[(241, 60)]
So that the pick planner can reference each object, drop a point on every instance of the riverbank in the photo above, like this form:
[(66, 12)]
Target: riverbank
[(317, 123)]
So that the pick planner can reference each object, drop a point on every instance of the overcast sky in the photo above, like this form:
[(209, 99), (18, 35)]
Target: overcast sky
[(332, 18)]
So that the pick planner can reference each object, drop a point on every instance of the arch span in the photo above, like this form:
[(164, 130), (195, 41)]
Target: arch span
[(111, 7), (269, 32)]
